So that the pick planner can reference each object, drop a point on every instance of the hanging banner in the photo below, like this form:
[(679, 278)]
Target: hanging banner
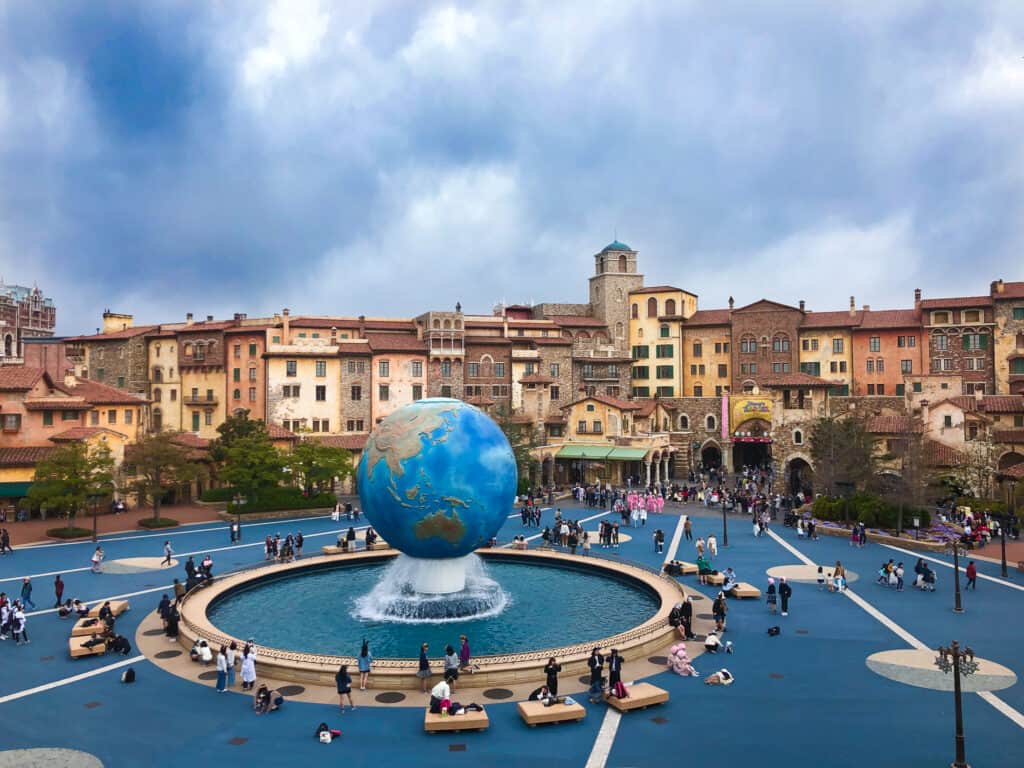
[(745, 408)]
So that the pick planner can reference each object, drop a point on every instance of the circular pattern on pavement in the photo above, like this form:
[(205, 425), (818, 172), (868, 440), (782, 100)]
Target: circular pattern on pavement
[(153, 632), (137, 565), (498, 693), (807, 574), (168, 654), (917, 668), (658, 661), (389, 697), (208, 675), (48, 758), (291, 690), (595, 537)]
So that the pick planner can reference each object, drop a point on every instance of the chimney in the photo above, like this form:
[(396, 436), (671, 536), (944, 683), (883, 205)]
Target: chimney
[(801, 305), (853, 307), (286, 326), (917, 298), (998, 286), (239, 316), (924, 414), (209, 318), (867, 307), (115, 321), (188, 318), (731, 303), (69, 378)]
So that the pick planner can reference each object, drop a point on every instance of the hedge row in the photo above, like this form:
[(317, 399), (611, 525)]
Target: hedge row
[(160, 522), (274, 499), (873, 511), (218, 494)]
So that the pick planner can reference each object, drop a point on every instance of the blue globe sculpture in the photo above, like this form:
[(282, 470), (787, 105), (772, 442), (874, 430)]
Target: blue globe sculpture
[(437, 478)]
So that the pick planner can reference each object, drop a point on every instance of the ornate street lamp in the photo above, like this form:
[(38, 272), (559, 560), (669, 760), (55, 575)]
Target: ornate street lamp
[(961, 662), (1004, 521), (725, 527), (955, 548)]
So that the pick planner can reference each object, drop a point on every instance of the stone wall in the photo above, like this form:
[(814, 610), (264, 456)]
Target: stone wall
[(1005, 333), (764, 321), (486, 353), (540, 311), (121, 363), (355, 371), (867, 406)]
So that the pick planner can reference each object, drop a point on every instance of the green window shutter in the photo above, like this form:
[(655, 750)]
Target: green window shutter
[(983, 341), (900, 389)]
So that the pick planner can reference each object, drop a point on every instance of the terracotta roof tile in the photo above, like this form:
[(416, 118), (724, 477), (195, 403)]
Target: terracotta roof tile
[(204, 326), (646, 408), (1016, 471), (82, 433), (1010, 291), (658, 289), (956, 302), (831, 319), (614, 402), (127, 333), (277, 432), (396, 342), (889, 318), (479, 400), (25, 456), (57, 404), (987, 404), (348, 442), (940, 455), (802, 380), (710, 317), (99, 394), (577, 321), (191, 440), (894, 425), (19, 378), (1015, 436)]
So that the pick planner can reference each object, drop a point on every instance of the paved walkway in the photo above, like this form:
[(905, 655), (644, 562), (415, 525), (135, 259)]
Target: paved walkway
[(32, 531)]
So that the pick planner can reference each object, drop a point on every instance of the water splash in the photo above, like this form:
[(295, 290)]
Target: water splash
[(396, 598)]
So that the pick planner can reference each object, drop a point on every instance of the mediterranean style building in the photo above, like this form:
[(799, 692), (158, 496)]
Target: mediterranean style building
[(637, 382), (25, 313)]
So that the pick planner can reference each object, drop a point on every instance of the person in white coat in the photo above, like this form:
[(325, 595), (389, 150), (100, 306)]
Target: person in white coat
[(248, 667)]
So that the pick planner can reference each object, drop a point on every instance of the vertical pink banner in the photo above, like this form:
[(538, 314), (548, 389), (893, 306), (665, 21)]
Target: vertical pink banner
[(725, 417)]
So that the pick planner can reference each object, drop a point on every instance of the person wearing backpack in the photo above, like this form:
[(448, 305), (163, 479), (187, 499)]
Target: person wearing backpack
[(785, 592), (614, 668)]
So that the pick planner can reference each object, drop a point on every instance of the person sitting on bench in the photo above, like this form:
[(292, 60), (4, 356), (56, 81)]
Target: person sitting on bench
[(543, 695), (93, 641), (66, 609), (121, 645), (106, 612), (442, 692), (731, 582), (371, 537)]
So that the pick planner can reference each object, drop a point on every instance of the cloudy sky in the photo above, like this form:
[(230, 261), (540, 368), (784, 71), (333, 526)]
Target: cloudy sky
[(387, 157)]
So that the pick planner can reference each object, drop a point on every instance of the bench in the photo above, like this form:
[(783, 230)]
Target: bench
[(76, 649), (745, 590), (641, 696), (117, 607), (717, 579), (534, 713), (331, 549), (471, 721), (80, 630), (684, 568)]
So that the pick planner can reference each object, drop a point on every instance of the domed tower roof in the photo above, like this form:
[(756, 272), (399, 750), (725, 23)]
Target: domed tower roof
[(615, 245)]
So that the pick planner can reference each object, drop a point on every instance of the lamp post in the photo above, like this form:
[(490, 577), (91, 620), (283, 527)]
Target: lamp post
[(95, 502), (961, 662), (917, 526), (725, 527), (1004, 522), (954, 548)]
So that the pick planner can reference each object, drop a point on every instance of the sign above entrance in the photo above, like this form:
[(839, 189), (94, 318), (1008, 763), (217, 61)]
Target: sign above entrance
[(746, 408)]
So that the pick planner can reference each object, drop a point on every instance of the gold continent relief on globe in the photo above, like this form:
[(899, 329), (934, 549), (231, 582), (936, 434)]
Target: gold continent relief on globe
[(438, 524)]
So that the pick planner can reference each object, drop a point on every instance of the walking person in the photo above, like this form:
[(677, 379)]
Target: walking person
[(26, 593), (97, 560), (222, 669), (5, 542), (785, 592), (551, 670), (248, 667), (465, 656), (659, 541), (58, 589), (19, 623), (713, 546), (688, 529), (344, 682), (232, 657), (365, 662), (972, 576), (451, 666), (167, 554), (298, 545), (718, 611)]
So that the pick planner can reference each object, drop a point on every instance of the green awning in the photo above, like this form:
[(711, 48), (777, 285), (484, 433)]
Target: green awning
[(14, 490), (584, 451), (627, 454)]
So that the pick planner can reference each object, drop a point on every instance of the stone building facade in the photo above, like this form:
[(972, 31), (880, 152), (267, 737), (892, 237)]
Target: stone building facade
[(1008, 352), (765, 342)]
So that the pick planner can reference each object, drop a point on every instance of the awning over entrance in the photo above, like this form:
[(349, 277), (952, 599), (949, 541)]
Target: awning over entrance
[(584, 451), (14, 490), (627, 454)]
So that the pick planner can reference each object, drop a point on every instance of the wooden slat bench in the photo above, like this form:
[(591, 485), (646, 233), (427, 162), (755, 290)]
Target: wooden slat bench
[(641, 696), (332, 549), (534, 713), (745, 590), (717, 579), (685, 568), (80, 630), (117, 607), (76, 649), (471, 721)]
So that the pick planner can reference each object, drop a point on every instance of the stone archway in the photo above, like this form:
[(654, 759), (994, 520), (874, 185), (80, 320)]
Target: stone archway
[(711, 455), (799, 473), (1010, 459)]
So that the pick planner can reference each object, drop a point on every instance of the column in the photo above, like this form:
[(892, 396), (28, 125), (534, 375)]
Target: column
[(657, 471), (647, 474), (664, 470)]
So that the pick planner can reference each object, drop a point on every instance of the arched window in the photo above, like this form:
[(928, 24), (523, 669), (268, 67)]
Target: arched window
[(158, 373), (684, 421), (780, 343), (236, 394), (710, 422), (188, 349), (634, 311), (9, 345), (1020, 341), (437, 324), (619, 295), (670, 307), (157, 395), (652, 307), (158, 419), (619, 332), (748, 345), (639, 333), (798, 437), (623, 264), (447, 325)]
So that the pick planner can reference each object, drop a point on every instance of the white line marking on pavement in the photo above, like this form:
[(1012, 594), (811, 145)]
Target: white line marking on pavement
[(605, 738), (1001, 706), (676, 538), (993, 579), (69, 680), (538, 535)]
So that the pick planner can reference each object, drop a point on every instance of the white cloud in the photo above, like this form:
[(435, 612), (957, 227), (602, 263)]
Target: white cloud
[(995, 77), (295, 31)]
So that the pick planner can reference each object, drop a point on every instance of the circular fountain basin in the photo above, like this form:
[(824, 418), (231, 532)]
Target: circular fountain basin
[(503, 666), (545, 606)]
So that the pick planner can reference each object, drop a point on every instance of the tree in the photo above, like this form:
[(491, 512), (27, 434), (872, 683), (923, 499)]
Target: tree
[(252, 464), (71, 476), (915, 476), (523, 441), (160, 466), (315, 465), (843, 452), (973, 474), (235, 427)]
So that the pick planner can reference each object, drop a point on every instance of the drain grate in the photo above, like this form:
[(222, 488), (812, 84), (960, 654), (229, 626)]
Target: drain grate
[(660, 661), (46, 658), (775, 675), (389, 697), (498, 693), (211, 675), (170, 655), (153, 632), (291, 690), (802, 632)]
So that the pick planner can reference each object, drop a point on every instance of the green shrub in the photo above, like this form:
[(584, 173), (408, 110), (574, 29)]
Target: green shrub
[(284, 498), (68, 533), (160, 522), (217, 494), (874, 511), (982, 505)]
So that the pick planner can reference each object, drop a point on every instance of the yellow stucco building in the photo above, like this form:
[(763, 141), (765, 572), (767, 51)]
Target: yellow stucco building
[(304, 386), (826, 347), (707, 354), (654, 337)]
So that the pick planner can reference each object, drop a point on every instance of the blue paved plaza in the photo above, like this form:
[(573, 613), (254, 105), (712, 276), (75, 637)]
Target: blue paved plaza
[(803, 698)]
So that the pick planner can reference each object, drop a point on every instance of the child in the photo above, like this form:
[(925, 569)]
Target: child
[(899, 577), (772, 597), (821, 577)]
